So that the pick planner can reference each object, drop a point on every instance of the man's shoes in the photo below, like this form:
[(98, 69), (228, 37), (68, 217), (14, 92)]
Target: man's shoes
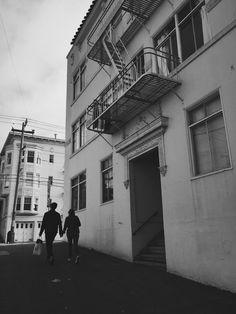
[(68, 259), (77, 259)]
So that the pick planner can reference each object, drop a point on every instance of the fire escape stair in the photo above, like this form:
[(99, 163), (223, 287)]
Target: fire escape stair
[(118, 61), (153, 254)]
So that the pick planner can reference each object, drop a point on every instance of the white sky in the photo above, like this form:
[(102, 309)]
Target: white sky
[(35, 38)]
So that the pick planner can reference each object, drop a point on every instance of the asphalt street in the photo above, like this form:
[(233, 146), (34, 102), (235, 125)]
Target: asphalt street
[(99, 284)]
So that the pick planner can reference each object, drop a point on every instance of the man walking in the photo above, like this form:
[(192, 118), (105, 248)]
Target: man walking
[(50, 224)]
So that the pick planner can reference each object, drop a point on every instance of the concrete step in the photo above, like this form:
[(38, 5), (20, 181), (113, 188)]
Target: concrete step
[(152, 257), (160, 266)]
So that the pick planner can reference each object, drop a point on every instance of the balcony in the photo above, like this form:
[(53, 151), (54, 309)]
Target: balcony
[(125, 18), (139, 85)]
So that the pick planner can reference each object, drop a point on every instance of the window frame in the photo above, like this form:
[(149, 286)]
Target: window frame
[(26, 203), (9, 158), (76, 189), (177, 33), (79, 80), (79, 133), (51, 158), (203, 121), (106, 194), (29, 180), (18, 203), (29, 158)]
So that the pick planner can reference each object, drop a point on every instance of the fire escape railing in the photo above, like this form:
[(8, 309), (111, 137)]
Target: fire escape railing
[(159, 63)]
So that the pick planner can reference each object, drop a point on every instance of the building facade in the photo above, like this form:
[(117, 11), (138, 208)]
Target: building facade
[(41, 178), (150, 147)]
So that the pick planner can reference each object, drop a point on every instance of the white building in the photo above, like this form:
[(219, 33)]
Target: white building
[(41, 177), (150, 147)]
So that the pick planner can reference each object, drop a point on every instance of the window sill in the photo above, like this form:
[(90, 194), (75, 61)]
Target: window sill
[(210, 173), (107, 203)]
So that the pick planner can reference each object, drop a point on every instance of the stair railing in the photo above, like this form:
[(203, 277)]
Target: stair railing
[(144, 223)]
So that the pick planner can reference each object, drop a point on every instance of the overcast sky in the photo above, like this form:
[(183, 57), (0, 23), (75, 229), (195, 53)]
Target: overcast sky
[(35, 38)]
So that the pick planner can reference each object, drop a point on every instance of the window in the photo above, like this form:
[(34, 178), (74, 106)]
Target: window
[(74, 193), (79, 133), (78, 191), (50, 180), (39, 225), (107, 180), (39, 159), (79, 80), (191, 23), (138, 62), (9, 157), (29, 178), (36, 204), (82, 190), (2, 167), (27, 203), (18, 204), (208, 137), (51, 158), (30, 156), (6, 181)]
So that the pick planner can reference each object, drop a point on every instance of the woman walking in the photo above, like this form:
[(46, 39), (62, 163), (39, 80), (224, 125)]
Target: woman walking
[(71, 227)]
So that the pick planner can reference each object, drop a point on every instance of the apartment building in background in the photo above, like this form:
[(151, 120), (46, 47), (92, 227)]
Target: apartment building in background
[(41, 179), (150, 134)]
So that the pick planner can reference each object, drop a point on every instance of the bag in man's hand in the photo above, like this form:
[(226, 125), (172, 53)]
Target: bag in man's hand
[(38, 247)]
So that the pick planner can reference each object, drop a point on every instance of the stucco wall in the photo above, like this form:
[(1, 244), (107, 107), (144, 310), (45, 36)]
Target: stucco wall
[(199, 213)]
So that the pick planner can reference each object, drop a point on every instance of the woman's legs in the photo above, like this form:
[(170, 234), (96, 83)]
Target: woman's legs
[(69, 246), (76, 246)]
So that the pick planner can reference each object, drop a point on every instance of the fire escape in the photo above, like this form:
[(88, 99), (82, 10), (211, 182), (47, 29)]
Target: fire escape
[(138, 83)]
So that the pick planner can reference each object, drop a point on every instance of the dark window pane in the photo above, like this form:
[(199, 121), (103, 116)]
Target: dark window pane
[(197, 20), (82, 195), (218, 143), (201, 149), (187, 39)]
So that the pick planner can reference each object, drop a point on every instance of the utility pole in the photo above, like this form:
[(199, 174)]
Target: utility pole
[(22, 131), (49, 192)]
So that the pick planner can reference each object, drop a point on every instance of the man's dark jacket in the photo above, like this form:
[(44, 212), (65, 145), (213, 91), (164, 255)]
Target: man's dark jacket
[(51, 222)]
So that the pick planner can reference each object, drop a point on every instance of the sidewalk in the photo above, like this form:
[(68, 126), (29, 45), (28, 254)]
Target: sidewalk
[(99, 284)]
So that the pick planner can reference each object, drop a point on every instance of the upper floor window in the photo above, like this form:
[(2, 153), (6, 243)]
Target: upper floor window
[(107, 179), (79, 80), (79, 133), (191, 24), (36, 204), (27, 203), (78, 191), (30, 156), (18, 204), (138, 62), (208, 137), (29, 178), (39, 159), (2, 166), (51, 158), (50, 180), (9, 158)]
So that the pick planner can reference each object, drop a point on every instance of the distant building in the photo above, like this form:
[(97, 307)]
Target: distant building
[(150, 134), (41, 178)]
